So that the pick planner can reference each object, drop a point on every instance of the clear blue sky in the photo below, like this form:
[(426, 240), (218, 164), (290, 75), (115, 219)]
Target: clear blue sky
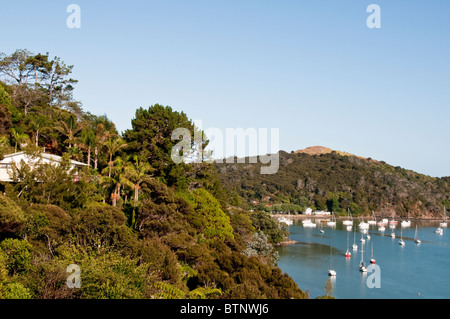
[(311, 68)]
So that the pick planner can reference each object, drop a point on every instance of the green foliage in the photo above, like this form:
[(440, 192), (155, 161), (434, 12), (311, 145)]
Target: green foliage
[(12, 217), (18, 255), (214, 222), (275, 233), (5, 98), (137, 224), (16, 291)]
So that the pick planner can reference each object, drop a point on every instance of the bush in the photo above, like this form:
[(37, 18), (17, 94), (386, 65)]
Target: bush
[(12, 217), (18, 255)]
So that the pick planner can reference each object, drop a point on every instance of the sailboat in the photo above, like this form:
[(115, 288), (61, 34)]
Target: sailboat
[(416, 239), (444, 223), (393, 222), (332, 222), (349, 220), (331, 271), (401, 242), (373, 221), (348, 254), (362, 267), (321, 230), (354, 246), (406, 223), (372, 260), (362, 237)]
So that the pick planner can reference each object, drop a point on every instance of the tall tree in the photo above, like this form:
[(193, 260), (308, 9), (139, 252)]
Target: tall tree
[(36, 65), (113, 145), (15, 66), (38, 124), (58, 82), (18, 138), (87, 142), (151, 138), (69, 128), (115, 178), (135, 172)]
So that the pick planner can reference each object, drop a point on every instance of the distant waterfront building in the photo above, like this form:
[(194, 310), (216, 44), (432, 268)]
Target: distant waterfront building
[(321, 212), (308, 211), (33, 160)]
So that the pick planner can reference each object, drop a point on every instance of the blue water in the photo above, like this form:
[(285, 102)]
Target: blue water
[(406, 272)]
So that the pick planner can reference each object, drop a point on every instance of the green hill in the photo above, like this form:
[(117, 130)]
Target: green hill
[(336, 182)]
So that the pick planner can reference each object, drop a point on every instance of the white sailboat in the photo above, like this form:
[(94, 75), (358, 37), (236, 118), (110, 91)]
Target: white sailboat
[(363, 225), (349, 220), (393, 222), (286, 220), (308, 223), (406, 223), (444, 223), (362, 267), (401, 242), (373, 221), (332, 222), (416, 238), (354, 246), (348, 254), (331, 271)]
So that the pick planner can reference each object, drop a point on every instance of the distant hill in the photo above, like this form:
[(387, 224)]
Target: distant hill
[(324, 179), (319, 150)]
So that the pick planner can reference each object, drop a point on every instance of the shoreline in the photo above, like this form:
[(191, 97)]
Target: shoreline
[(285, 242), (301, 216)]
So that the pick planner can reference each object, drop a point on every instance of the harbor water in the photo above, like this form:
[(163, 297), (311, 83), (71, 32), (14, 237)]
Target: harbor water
[(404, 272)]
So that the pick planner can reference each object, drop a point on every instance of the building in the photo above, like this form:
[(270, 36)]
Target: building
[(32, 160)]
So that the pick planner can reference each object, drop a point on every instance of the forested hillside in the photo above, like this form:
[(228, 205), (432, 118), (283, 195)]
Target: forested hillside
[(337, 183), (136, 224)]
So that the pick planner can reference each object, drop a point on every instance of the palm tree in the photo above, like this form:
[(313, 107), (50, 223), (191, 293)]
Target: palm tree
[(18, 138), (87, 141), (69, 128), (113, 145), (116, 181), (135, 172), (101, 134), (39, 126)]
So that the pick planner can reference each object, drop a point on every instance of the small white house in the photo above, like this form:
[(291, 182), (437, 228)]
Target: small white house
[(41, 158), (308, 211)]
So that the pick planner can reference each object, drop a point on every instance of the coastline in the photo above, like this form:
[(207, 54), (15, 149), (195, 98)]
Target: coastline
[(287, 241), (302, 216)]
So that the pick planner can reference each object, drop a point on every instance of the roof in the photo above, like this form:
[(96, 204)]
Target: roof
[(50, 157)]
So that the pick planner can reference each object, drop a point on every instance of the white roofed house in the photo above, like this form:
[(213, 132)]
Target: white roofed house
[(8, 162)]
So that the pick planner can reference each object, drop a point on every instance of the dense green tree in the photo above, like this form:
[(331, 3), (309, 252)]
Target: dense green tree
[(151, 138)]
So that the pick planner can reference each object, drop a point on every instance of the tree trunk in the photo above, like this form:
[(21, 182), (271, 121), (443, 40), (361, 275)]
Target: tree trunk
[(95, 157), (110, 164), (136, 195), (89, 156)]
